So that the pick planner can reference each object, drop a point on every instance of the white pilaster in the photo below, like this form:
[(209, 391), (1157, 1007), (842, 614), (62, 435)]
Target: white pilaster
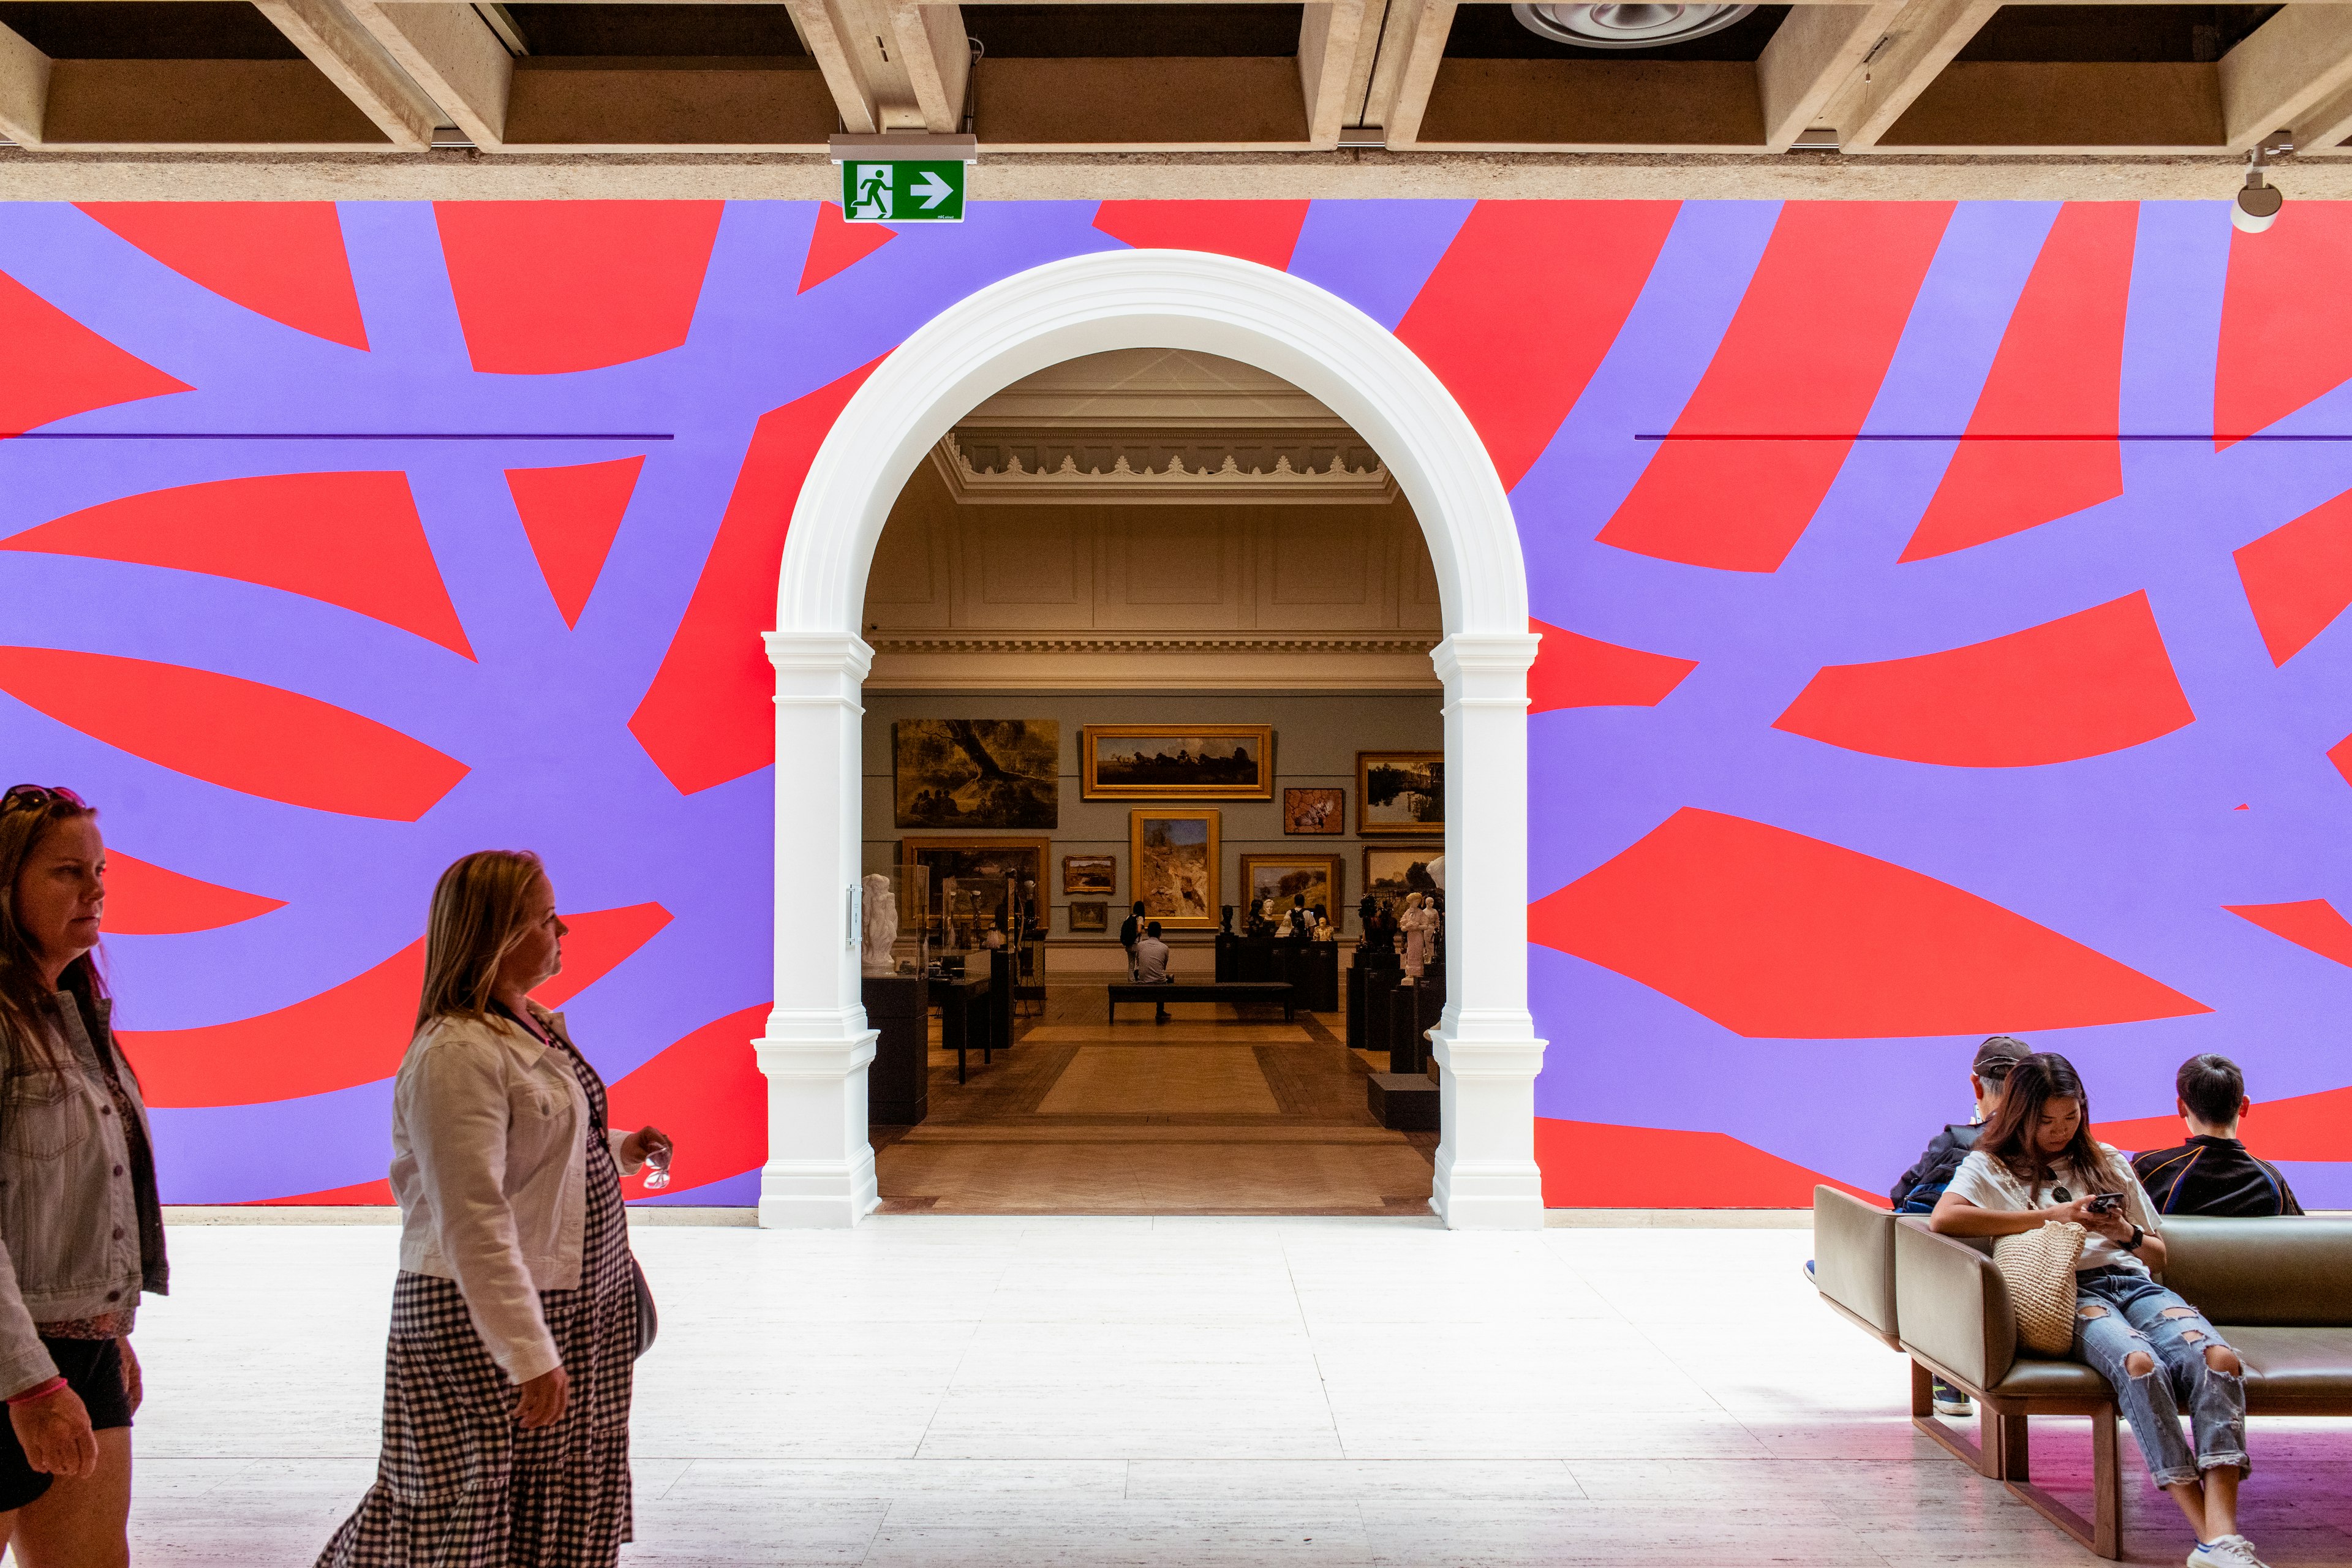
[(1485, 1047), (820, 1168)]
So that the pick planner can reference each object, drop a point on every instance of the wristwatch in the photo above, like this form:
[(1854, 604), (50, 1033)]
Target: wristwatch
[(2138, 1236)]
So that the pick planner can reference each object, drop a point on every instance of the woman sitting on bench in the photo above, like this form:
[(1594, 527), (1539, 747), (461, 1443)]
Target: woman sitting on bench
[(2039, 1146)]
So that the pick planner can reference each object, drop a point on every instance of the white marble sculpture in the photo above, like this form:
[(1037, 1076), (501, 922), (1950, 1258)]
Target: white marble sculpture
[(1418, 924), (881, 924)]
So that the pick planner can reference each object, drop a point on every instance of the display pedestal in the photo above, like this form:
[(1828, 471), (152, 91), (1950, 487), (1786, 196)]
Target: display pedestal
[(1403, 1101), (899, 1084), (1310, 968), (1369, 963)]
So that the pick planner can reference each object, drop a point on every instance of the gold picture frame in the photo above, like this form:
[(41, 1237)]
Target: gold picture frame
[(1174, 856), (1176, 762), (1321, 878), (1314, 813), (1400, 794), (987, 860), (1392, 870), (1094, 875)]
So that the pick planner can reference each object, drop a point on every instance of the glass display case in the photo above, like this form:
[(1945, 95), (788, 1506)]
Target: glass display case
[(894, 936)]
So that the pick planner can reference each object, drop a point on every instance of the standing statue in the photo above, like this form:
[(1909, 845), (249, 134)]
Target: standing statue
[(881, 925), (1418, 924)]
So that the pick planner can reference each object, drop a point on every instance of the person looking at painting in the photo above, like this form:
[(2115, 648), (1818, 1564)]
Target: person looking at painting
[(1152, 965), (1131, 932), (78, 1215), (517, 1317)]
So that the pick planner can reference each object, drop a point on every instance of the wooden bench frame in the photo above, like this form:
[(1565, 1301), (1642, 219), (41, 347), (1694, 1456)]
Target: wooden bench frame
[(1235, 991)]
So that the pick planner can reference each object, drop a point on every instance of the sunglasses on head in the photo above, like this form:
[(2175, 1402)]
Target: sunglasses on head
[(39, 797)]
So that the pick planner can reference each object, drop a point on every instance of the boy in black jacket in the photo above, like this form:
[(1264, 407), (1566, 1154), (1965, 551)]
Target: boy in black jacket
[(1923, 1182), (2212, 1173)]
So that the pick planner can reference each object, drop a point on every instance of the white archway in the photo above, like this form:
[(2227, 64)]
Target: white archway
[(820, 1168)]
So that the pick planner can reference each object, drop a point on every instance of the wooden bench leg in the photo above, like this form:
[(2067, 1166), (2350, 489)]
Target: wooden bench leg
[(2103, 1533), (1977, 1457)]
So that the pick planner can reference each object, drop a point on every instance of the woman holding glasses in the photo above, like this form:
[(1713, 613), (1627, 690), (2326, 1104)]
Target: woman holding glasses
[(79, 1217), (515, 1317)]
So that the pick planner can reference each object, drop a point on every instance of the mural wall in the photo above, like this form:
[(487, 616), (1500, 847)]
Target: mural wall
[(1941, 610)]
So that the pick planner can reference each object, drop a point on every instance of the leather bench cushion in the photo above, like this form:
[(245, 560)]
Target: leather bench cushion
[(2294, 1364), (1854, 1257), (2035, 1377), (2288, 1273)]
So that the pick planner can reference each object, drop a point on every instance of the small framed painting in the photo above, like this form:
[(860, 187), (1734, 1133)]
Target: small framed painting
[(1284, 877), (1314, 811), (1391, 874), (1400, 794), (1176, 762), (1174, 855), (1090, 874), (1094, 916)]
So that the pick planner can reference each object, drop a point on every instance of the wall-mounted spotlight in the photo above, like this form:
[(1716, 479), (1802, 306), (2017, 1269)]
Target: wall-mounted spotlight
[(2258, 204)]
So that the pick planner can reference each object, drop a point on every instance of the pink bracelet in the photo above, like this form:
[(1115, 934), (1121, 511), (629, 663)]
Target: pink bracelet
[(42, 1391)]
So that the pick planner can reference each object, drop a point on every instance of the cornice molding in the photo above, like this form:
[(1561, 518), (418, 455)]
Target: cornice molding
[(1193, 643), (1191, 472)]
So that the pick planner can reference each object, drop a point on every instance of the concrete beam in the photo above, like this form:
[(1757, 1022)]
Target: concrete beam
[(1817, 51), (1921, 40), (937, 52), (453, 54), (2293, 65), (1334, 67), (1409, 46), (333, 40), (24, 89)]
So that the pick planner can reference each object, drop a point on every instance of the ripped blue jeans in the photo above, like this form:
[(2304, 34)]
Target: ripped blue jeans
[(2120, 1311)]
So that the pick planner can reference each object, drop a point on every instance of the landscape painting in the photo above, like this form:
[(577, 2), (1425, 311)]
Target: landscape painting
[(1400, 793), (1093, 916), (1176, 762), (1314, 811), (1316, 877), (1391, 874), (1175, 860), (977, 772), (1090, 874)]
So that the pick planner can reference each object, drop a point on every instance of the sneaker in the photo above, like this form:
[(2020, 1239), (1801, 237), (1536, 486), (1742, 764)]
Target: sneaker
[(2225, 1551), (1947, 1400)]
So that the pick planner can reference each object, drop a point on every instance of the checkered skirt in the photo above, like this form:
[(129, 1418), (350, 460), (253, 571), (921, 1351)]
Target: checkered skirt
[(459, 1485)]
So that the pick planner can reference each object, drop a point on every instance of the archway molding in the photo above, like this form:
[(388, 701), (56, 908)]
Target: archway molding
[(817, 1046)]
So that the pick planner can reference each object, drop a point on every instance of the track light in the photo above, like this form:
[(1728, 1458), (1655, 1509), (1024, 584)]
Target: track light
[(2258, 204)]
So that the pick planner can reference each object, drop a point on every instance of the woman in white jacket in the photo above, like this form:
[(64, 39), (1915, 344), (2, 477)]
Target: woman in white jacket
[(514, 1320)]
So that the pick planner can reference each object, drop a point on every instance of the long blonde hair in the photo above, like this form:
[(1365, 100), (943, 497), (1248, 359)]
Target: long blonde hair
[(480, 913)]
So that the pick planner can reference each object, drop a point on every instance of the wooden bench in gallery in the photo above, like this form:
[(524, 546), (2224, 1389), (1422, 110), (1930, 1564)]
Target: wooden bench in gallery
[(1240, 993)]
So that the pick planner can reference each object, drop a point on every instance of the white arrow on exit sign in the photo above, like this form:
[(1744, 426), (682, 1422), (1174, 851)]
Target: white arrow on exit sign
[(933, 189)]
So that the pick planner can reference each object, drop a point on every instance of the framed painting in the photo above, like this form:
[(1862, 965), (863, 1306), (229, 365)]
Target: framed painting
[(1314, 811), (968, 882), (1176, 762), (1315, 878), (1090, 874), (1175, 860), (957, 773), (1094, 916), (1391, 874), (1400, 794)]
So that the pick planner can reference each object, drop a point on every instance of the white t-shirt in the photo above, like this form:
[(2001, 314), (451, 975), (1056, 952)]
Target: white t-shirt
[(1990, 1184)]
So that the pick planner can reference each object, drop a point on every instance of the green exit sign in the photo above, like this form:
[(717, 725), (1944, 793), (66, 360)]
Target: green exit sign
[(894, 192)]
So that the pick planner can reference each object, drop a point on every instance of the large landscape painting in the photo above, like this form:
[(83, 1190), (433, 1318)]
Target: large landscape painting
[(1194, 762), (1175, 858), (977, 772)]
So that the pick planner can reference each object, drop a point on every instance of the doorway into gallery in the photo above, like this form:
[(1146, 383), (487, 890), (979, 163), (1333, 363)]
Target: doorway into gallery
[(1152, 626), (818, 1048)]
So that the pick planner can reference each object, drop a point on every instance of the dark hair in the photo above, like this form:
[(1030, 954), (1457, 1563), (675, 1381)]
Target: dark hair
[(2009, 1138), (2211, 1088), (1151, 929), (25, 819), (1138, 908)]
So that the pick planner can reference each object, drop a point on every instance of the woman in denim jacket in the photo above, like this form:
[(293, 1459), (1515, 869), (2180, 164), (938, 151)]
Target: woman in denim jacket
[(81, 1232)]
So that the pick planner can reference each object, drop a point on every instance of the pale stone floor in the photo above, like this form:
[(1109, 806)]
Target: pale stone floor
[(978, 1389)]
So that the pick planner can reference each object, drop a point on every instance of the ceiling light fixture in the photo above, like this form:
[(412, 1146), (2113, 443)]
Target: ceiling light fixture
[(2258, 204), (1626, 26)]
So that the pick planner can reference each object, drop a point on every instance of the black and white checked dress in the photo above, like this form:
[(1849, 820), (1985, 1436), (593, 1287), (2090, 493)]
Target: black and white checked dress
[(460, 1484)]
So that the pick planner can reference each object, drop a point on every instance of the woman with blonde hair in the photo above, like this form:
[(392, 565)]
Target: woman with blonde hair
[(515, 1320), (81, 1232)]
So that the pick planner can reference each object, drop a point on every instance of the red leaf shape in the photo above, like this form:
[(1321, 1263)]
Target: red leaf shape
[(351, 1033), (2340, 754), (2059, 371), (2081, 685), (358, 1194), (238, 734), (148, 900), (370, 557), (573, 516), (1601, 1166), (2299, 576), (1518, 378), (836, 245), (707, 1092), (2286, 320), (284, 260), (548, 287), (1803, 357), (2301, 1127), (52, 367), (1263, 231), (1776, 935), (1575, 671), (709, 714), (2312, 924)]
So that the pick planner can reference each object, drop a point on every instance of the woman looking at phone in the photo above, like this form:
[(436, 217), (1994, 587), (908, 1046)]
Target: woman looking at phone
[(514, 1319), (2036, 1162), (82, 1233)]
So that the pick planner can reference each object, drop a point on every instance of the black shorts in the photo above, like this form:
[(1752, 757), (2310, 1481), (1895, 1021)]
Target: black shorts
[(93, 1370)]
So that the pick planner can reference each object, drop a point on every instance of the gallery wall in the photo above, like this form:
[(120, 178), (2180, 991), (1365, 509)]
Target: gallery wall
[(349, 539)]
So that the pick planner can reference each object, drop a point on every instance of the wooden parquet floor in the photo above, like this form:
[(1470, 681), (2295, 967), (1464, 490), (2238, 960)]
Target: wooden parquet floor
[(1219, 1110)]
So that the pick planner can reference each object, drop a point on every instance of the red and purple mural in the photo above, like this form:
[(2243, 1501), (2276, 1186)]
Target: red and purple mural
[(1942, 612)]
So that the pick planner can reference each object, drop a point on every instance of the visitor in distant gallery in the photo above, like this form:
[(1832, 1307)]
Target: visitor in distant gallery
[(516, 1318), (1151, 964), (2212, 1173), (1298, 924), (78, 1215), (1131, 932), (2036, 1164)]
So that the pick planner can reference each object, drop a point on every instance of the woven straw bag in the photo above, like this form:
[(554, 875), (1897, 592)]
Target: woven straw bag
[(2039, 1268)]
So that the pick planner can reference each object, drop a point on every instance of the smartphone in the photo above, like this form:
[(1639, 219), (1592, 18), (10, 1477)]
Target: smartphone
[(2107, 1203)]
